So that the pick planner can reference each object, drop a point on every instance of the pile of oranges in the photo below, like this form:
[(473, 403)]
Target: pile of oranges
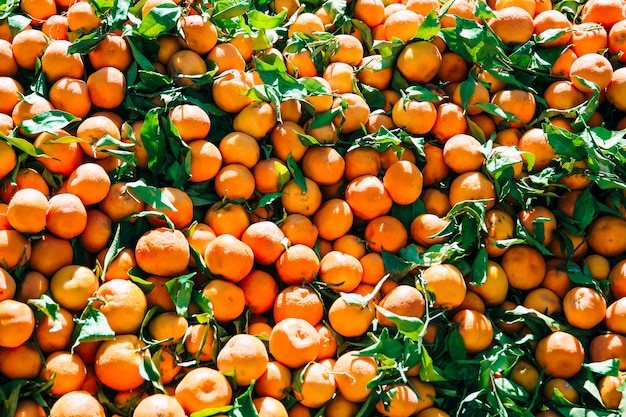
[(285, 208)]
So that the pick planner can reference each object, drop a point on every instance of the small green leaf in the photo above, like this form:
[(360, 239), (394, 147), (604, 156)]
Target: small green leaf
[(48, 121), (297, 174), (261, 20), (150, 195), (179, 289), (159, 20)]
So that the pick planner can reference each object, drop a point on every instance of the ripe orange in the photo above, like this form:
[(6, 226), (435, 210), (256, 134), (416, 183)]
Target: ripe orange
[(299, 201), (206, 160), (202, 388), (123, 304), (445, 282), (603, 12), (228, 91), (608, 386), (299, 263), (260, 290), (385, 232), (245, 356), (161, 404), (536, 219), (513, 25), (606, 235), (294, 342), (493, 291), (463, 153), (112, 51), (341, 272), (226, 57), (608, 346), (269, 407), (419, 61), (26, 211), (15, 249), (66, 216), (402, 401), (40, 259), (617, 39), (275, 382), (300, 229), (227, 299), (521, 104), (51, 336), (17, 322), (543, 300), (472, 185), (475, 329), (200, 33), (500, 226), (298, 302), (560, 354), (27, 46), (77, 404), (317, 385), (584, 307), (352, 375), (403, 300), (90, 182), (199, 342), (162, 251), (91, 130), (57, 63), (593, 68), (227, 218), (67, 369), (552, 19), (229, 257)]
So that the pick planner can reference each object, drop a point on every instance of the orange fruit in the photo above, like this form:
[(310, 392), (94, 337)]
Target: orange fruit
[(350, 244), (543, 300), (306, 23), (7, 285), (199, 342), (362, 160), (184, 64), (229, 257), (17, 323), (349, 318), (27, 46), (453, 68), (51, 336), (206, 160), (552, 19), (402, 401), (227, 218), (479, 95), (15, 249), (182, 214), (112, 51), (21, 362), (27, 407), (539, 222), (608, 346), (226, 57), (340, 271), (472, 185), (300, 201), (191, 121), (26, 211), (91, 130), (300, 64), (500, 226), (256, 119), (107, 87), (82, 17), (98, 231), (385, 232), (162, 251), (524, 266), (593, 68), (228, 91), (370, 12), (300, 229), (66, 216), (317, 385), (525, 374), (72, 285), (234, 181), (57, 63), (475, 329), (123, 304), (77, 404), (34, 284), (403, 182), (451, 121), (67, 369), (245, 356), (608, 386), (298, 302), (10, 91), (435, 170), (401, 24), (294, 342), (615, 90), (90, 182), (588, 38), (25, 110), (552, 385), (563, 95), (203, 388), (40, 259), (367, 197), (297, 264), (519, 103), (560, 354), (493, 291), (200, 33), (584, 307), (266, 240), (260, 290), (227, 299), (161, 404), (403, 300), (118, 362), (616, 39), (445, 282), (269, 407), (603, 12), (275, 382), (419, 62), (606, 235), (615, 313), (463, 153), (352, 375), (513, 25)]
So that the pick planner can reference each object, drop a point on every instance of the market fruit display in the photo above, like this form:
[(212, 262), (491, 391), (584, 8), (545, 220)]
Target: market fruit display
[(295, 208)]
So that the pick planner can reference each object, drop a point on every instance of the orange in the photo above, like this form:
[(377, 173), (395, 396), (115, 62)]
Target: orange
[(82, 17), (401, 24), (234, 181), (401, 401), (199, 342), (340, 76), (112, 51), (270, 175), (560, 249), (289, 6), (536, 142), (472, 185), (269, 407), (162, 251), (403, 300), (64, 158), (27, 407), (21, 362), (266, 240), (500, 226), (40, 259), (97, 232), (588, 38), (598, 266), (161, 404), (349, 318), (445, 284), (120, 264), (436, 169), (403, 182), (25, 110), (27, 46), (341, 272), (526, 375), (299, 201), (563, 63), (77, 404), (15, 249), (373, 268), (352, 375), (552, 19), (10, 91), (611, 395), (367, 197), (539, 222), (351, 244), (603, 12), (328, 342), (475, 329), (91, 130), (8, 158), (118, 362), (229, 88), (519, 103), (51, 336), (206, 160), (370, 12), (227, 218), (203, 388), (450, 121), (57, 63), (306, 23), (419, 62), (463, 153), (608, 346), (299, 263), (239, 148), (615, 314), (229, 257), (66, 216), (524, 266), (563, 95), (362, 160), (615, 90), (275, 382), (17, 323), (593, 68), (354, 114), (7, 285), (244, 44), (560, 354), (606, 235), (34, 284), (260, 290), (294, 342), (584, 307), (123, 304), (227, 299), (256, 119), (191, 121), (285, 141), (226, 57), (453, 68), (317, 385), (550, 387), (513, 25), (183, 64), (68, 370), (298, 302), (300, 64), (348, 49), (385, 232), (200, 33), (182, 214), (26, 211), (479, 95), (616, 42), (493, 291), (417, 117), (89, 182), (245, 356), (107, 87), (543, 300)]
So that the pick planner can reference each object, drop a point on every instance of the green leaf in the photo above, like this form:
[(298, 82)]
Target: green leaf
[(179, 289), (411, 327), (479, 267), (86, 43), (429, 28), (150, 372), (243, 406), (228, 10), (159, 20), (119, 13), (456, 345), (24, 146), (260, 20), (419, 93), (50, 308), (150, 195), (48, 121), (297, 174), (607, 367), (91, 326)]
